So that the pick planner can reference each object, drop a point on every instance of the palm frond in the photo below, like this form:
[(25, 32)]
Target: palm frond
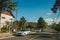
[(8, 4)]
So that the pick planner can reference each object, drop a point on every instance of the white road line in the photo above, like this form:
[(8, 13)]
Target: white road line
[(6, 37)]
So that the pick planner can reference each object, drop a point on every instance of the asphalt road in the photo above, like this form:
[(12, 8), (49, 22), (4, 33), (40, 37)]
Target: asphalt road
[(36, 36)]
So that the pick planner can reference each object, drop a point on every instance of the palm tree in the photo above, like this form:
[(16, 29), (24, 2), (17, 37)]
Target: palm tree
[(56, 7), (7, 5)]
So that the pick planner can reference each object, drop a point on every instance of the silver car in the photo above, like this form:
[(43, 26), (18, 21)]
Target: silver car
[(23, 32)]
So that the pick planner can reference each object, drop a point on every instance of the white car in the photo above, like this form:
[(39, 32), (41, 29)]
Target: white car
[(38, 30), (23, 32)]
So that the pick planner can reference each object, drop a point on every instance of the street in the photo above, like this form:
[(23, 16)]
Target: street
[(36, 36)]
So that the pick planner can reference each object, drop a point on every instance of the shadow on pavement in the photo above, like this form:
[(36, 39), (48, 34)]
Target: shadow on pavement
[(44, 36)]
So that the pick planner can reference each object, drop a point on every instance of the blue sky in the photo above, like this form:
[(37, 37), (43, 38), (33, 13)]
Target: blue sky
[(33, 9)]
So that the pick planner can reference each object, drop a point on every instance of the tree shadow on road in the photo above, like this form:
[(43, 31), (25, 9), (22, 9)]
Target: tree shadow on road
[(45, 36)]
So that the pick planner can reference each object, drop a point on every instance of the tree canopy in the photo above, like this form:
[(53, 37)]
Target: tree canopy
[(56, 6), (41, 23), (22, 22), (56, 27), (7, 5)]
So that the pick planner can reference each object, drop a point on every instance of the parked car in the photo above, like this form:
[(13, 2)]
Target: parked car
[(38, 30), (23, 32)]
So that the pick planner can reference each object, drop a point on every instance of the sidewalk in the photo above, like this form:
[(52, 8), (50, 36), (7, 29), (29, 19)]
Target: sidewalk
[(2, 35)]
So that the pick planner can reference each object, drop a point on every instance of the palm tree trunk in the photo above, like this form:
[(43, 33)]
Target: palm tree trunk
[(0, 21), (16, 14), (16, 19)]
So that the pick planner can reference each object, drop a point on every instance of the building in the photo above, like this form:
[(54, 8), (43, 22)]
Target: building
[(6, 16)]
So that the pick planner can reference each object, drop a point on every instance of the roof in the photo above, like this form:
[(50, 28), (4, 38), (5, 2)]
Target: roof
[(8, 12)]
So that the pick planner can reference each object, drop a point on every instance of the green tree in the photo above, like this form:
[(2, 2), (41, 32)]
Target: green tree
[(22, 22), (33, 24), (56, 27), (41, 24), (56, 6), (7, 26), (7, 5), (16, 25)]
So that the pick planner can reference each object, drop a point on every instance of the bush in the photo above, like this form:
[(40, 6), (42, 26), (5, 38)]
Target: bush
[(56, 27), (4, 29)]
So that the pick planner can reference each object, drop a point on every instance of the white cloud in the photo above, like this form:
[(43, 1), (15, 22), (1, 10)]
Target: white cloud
[(50, 20)]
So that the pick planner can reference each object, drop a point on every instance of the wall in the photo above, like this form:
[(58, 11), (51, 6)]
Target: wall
[(5, 18)]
